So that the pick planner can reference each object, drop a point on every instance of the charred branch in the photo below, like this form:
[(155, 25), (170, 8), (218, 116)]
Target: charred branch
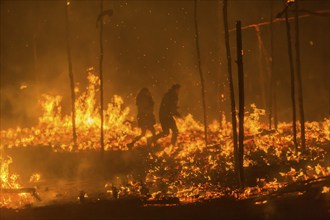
[(279, 20)]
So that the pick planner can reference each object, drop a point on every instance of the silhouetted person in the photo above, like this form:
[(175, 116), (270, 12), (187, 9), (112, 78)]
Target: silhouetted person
[(145, 116), (168, 110), (144, 190), (115, 193)]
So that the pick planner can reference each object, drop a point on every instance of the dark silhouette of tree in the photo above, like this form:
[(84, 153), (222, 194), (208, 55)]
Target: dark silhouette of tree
[(231, 86), (200, 70), (298, 69), (73, 96), (100, 20), (99, 23), (272, 91), (293, 99), (240, 101)]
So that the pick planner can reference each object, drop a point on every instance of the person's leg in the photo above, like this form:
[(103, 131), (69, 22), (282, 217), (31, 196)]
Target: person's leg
[(153, 131), (165, 130), (154, 137), (175, 131), (143, 132)]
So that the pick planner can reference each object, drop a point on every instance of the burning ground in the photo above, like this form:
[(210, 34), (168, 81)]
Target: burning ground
[(41, 167)]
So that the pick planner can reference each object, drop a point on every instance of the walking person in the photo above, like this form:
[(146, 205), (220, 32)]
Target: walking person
[(168, 110), (145, 116)]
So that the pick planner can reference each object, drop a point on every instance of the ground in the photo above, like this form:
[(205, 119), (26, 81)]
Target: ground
[(290, 207), (65, 174)]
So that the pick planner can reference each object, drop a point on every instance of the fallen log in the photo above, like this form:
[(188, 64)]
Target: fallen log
[(301, 186)]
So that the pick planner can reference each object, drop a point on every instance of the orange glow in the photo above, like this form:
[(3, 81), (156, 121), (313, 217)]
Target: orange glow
[(190, 169)]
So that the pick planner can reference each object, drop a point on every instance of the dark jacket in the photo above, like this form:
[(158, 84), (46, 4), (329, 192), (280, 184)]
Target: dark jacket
[(169, 105), (145, 106)]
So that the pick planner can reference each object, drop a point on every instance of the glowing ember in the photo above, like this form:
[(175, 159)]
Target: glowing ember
[(189, 171), (35, 178), (325, 189)]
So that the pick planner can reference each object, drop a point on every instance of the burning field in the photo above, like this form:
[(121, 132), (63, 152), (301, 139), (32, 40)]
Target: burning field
[(244, 142), (189, 172)]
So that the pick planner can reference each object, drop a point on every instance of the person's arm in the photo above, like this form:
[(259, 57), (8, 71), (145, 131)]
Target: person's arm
[(175, 107), (177, 114)]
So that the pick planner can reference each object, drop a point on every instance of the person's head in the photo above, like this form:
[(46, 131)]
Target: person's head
[(176, 87), (144, 91)]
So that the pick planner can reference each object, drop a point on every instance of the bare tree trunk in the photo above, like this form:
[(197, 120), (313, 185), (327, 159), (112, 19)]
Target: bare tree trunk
[(36, 35), (73, 96), (200, 71), (262, 76), (231, 87), (300, 89), (272, 91), (241, 101), (293, 99), (101, 80), (35, 55), (275, 110), (220, 84), (36, 38)]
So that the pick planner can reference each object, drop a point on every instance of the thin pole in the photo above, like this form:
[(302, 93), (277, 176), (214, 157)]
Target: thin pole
[(300, 87), (73, 96), (200, 71), (272, 92), (220, 86), (101, 80), (231, 87), (275, 110), (261, 72), (241, 101), (35, 38), (293, 99)]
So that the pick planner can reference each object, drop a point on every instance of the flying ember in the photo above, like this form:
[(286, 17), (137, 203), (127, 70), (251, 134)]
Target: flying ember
[(186, 170), (164, 109)]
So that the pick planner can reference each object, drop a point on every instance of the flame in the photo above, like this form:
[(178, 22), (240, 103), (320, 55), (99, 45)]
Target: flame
[(325, 189), (55, 129), (9, 181), (188, 170), (35, 178)]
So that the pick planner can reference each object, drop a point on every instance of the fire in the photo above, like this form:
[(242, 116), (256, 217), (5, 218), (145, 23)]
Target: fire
[(35, 178), (55, 129), (8, 182), (325, 189), (190, 169)]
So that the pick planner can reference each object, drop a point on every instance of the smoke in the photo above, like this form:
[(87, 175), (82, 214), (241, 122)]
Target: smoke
[(151, 44)]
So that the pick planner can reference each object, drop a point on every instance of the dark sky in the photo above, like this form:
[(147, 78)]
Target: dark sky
[(151, 44)]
